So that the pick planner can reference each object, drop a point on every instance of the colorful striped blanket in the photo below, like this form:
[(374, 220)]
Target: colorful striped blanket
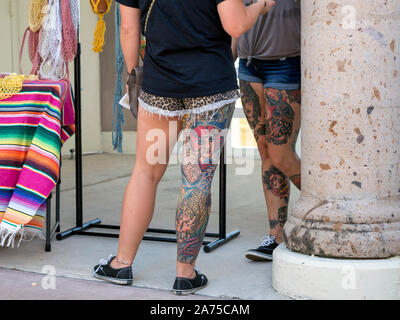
[(33, 127)]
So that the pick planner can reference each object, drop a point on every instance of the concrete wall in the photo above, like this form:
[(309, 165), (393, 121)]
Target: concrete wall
[(107, 79), (13, 21), (107, 85)]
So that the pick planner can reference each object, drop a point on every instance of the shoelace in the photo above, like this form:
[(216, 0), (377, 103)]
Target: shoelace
[(268, 240), (103, 262)]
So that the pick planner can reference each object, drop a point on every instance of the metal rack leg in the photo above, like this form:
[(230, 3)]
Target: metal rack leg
[(223, 237), (58, 206), (48, 224), (217, 243), (51, 231), (70, 232), (58, 199), (78, 139)]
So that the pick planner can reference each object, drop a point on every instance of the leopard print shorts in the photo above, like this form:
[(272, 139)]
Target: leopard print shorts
[(179, 107)]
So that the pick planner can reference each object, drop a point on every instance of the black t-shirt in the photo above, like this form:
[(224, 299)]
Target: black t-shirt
[(188, 53)]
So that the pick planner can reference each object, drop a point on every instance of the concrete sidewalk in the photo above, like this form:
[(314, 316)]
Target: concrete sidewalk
[(33, 286), (105, 178)]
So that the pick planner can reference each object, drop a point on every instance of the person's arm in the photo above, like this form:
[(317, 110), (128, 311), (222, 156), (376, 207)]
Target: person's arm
[(130, 35), (237, 19), (234, 48)]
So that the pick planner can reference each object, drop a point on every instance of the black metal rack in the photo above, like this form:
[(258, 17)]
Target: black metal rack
[(51, 231), (82, 228)]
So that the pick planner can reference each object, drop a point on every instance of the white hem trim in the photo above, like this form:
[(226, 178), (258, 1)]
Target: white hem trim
[(181, 113)]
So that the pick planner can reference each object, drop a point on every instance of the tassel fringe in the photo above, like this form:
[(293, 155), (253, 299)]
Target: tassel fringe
[(99, 34), (9, 237)]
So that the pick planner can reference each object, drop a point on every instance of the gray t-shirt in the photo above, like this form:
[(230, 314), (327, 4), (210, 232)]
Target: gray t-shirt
[(275, 35)]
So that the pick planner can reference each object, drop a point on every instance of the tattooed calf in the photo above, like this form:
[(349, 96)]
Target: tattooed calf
[(282, 218), (276, 182), (282, 215)]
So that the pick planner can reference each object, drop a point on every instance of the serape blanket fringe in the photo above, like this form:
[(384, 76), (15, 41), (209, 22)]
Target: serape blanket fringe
[(33, 126)]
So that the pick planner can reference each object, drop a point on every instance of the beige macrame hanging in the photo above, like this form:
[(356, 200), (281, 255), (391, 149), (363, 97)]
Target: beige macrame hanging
[(10, 85), (37, 12), (101, 8)]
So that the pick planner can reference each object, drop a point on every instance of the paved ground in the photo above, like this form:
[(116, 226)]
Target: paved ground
[(105, 177), (33, 286)]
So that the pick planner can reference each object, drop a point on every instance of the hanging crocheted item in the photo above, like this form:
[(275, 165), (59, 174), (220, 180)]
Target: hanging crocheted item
[(118, 115), (53, 66), (75, 13), (101, 8), (37, 12), (69, 43), (10, 85), (33, 44)]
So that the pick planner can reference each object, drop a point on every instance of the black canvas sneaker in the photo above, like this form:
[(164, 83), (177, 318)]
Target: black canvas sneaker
[(104, 271), (185, 286), (264, 251)]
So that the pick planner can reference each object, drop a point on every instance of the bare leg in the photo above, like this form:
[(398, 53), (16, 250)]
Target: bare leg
[(139, 199), (275, 184)]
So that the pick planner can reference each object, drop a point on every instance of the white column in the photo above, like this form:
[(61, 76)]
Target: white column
[(350, 202)]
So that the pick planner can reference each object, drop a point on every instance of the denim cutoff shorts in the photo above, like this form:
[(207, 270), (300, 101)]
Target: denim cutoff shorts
[(282, 74)]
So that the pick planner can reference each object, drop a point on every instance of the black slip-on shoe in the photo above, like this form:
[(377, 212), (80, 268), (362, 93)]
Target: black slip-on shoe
[(185, 286), (104, 271), (264, 252)]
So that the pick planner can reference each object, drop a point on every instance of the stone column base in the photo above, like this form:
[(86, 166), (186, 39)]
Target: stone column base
[(352, 228), (300, 276)]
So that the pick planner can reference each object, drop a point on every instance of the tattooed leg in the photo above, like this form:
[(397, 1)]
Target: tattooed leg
[(280, 221), (283, 108), (203, 140), (253, 106), (276, 182), (277, 185), (276, 197)]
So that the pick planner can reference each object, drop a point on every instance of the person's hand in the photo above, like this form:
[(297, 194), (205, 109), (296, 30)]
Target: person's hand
[(268, 4), (265, 5)]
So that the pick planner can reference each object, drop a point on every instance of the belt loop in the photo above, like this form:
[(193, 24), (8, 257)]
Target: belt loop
[(249, 59)]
